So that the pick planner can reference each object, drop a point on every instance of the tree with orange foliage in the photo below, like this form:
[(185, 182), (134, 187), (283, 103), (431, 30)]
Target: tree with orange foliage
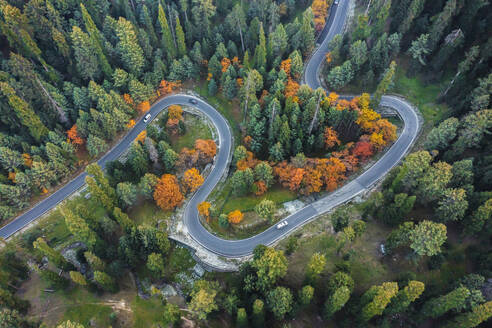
[(259, 188), (331, 138), (296, 179), (73, 136), (312, 181), (320, 11), (11, 176), (175, 112), (206, 150), (363, 150), (128, 99), (328, 58), (350, 162), (332, 98), (187, 159), (167, 87), (235, 217), (204, 209), (192, 179), (285, 65), (141, 136), (27, 160), (247, 141), (225, 63), (167, 194), (248, 162), (333, 172), (387, 129), (131, 124), (172, 126), (143, 107), (291, 88)]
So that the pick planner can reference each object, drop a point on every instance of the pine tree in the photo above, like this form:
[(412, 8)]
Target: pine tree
[(180, 38), (377, 298), (438, 306), (130, 52), (24, 112), (105, 281), (261, 52), (307, 31), (79, 228), (481, 313), (384, 85), (96, 41), (78, 278), (167, 38), (405, 297), (53, 255), (146, 20)]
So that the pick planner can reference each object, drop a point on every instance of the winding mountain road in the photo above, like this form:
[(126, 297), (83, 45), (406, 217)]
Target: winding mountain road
[(239, 248)]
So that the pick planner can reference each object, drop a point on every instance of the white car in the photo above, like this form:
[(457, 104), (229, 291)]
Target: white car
[(147, 118), (282, 224), (336, 2)]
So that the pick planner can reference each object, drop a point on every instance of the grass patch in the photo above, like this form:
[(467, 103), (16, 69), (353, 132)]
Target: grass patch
[(421, 94), (147, 313), (229, 109), (247, 203), (196, 128), (148, 213), (226, 202), (85, 313)]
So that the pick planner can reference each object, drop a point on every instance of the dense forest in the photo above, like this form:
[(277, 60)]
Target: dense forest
[(75, 75)]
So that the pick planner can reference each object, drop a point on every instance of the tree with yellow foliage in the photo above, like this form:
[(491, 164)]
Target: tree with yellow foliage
[(192, 179), (175, 112), (235, 217), (204, 209)]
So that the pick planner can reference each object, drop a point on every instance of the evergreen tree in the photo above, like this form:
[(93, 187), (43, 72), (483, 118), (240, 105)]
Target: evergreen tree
[(130, 52), (376, 299), (53, 255), (105, 281), (180, 38), (438, 306), (405, 297), (167, 38), (384, 85), (79, 228), (481, 313), (24, 112), (258, 313), (261, 52), (96, 41)]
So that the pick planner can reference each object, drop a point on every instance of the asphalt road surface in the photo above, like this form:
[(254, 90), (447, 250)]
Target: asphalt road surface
[(238, 248)]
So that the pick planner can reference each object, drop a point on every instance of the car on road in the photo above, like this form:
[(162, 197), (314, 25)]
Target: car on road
[(282, 224), (193, 101), (147, 118), (336, 2)]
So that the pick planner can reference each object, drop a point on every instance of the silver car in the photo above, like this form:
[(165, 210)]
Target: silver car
[(282, 224), (147, 118)]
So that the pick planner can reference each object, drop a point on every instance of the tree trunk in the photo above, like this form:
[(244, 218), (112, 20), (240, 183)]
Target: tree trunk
[(172, 26), (313, 122), (241, 34), (61, 112)]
